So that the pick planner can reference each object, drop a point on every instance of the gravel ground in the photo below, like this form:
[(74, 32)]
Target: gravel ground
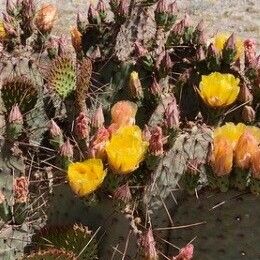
[(239, 16)]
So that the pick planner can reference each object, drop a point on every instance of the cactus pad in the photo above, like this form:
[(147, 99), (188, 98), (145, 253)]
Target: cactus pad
[(19, 90), (62, 76), (70, 239), (226, 225)]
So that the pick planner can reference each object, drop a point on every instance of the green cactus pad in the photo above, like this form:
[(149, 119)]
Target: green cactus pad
[(72, 238), (62, 76), (51, 254), (19, 90)]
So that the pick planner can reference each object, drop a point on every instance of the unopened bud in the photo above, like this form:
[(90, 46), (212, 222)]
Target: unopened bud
[(81, 22), (10, 7), (250, 52), (66, 150), (56, 134), (123, 193), (82, 126), (186, 253), (97, 146), (156, 88), (62, 45), (76, 37), (245, 95), (45, 17), (52, 48), (147, 243), (102, 10), (93, 15), (54, 129), (201, 53), (172, 115), (135, 85), (15, 116), (98, 119), (140, 50), (124, 8), (248, 114), (146, 134)]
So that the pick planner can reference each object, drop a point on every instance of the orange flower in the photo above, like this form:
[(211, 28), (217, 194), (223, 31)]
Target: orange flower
[(255, 164), (123, 113), (246, 146), (222, 156), (45, 18)]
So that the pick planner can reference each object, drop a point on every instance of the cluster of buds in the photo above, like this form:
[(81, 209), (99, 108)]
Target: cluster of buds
[(165, 13), (82, 127), (121, 9), (181, 32), (96, 14)]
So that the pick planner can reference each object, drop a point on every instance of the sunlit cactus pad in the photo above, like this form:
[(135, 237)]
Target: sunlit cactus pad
[(61, 76)]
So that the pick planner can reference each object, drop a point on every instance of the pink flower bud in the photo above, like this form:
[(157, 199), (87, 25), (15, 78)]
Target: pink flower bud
[(140, 50), (82, 126), (66, 150), (250, 52), (123, 193), (186, 253), (156, 88), (248, 114), (161, 7), (123, 8), (173, 8), (230, 43), (54, 129), (98, 118), (147, 243), (172, 114), (15, 115), (146, 134), (92, 14), (156, 141), (97, 146)]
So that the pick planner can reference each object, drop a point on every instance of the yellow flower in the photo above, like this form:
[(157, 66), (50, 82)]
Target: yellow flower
[(220, 40), (85, 177), (246, 146), (230, 131), (255, 131), (126, 149), (222, 156), (3, 33), (219, 90)]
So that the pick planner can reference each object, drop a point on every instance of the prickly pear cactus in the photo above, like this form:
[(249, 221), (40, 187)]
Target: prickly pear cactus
[(191, 146), (220, 225)]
